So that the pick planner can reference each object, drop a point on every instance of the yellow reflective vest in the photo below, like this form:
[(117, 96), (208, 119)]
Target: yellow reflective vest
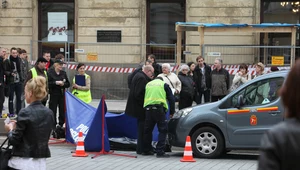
[(155, 93), (83, 95), (34, 73)]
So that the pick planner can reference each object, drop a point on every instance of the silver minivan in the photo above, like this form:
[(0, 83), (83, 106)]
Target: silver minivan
[(238, 121)]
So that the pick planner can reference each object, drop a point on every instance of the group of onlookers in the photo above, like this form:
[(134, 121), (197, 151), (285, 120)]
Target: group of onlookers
[(29, 133), (194, 80)]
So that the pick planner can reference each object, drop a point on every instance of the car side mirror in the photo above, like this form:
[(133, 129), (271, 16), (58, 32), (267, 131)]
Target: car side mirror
[(240, 101)]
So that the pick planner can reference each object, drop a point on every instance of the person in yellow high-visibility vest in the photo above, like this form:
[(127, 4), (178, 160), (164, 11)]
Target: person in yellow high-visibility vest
[(83, 92), (39, 70), (157, 96)]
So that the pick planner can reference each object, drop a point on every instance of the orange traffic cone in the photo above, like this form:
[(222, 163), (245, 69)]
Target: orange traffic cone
[(188, 152), (80, 151)]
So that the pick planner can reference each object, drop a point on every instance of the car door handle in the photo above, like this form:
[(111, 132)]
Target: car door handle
[(274, 113)]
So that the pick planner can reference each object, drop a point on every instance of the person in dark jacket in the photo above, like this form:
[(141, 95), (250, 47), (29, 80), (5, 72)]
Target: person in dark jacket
[(58, 81), (47, 56), (280, 146), (2, 98), (14, 79), (202, 78), (135, 102), (187, 88), (158, 95), (29, 134), (140, 68), (220, 81), (39, 70), (24, 69), (156, 66), (192, 67)]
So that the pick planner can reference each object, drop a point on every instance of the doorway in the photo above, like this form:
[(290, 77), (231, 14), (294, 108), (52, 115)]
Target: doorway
[(56, 27)]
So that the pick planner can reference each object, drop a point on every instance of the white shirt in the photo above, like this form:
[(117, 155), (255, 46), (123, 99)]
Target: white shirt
[(173, 78), (27, 163)]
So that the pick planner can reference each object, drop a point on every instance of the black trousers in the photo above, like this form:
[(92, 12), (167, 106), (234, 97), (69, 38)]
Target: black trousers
[(155, 115), (58, 100), (205, 93), (2, 98), (14, 88), (140, 136), (216, 98)]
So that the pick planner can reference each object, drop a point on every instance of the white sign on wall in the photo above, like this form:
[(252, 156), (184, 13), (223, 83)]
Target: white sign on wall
[(57, 26), (79, 50), (214, 54)]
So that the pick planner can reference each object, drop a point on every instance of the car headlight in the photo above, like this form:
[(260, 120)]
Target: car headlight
[(182, 113)]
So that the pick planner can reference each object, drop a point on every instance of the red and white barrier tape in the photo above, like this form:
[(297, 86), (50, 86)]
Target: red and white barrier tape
[(232, 69)]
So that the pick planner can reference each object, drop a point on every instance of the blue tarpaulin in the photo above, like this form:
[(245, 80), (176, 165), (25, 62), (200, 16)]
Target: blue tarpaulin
[(81, 116), (85, 118)]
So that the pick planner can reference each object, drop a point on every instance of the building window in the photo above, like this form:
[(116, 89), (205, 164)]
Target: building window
[(59, 13), (275, 11), (161, 18)]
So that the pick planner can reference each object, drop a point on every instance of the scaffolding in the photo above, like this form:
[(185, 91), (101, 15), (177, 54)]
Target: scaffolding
[(265, 28)]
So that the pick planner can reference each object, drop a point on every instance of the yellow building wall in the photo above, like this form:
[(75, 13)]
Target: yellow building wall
[(16, 24), (127, 16), (19, 25), (228, 12)]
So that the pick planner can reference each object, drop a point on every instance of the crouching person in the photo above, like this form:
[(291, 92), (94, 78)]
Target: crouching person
[(30, 133), (157, 96)]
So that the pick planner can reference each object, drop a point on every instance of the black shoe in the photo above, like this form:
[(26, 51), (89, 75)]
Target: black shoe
[(147, 153), (162, 155), (139, 153), (168, 148)]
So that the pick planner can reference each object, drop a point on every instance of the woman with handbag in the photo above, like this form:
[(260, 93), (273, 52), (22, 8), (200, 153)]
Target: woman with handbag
[(171, 79), (30, 133)]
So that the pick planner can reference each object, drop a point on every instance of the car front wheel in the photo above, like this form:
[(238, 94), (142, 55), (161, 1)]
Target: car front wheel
[(207, 142)]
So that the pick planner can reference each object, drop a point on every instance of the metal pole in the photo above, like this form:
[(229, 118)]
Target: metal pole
[(175, 56), (31, 51), (68, 61)]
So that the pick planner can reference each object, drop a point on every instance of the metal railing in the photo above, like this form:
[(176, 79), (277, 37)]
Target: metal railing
[(119, 57), (249, 54)]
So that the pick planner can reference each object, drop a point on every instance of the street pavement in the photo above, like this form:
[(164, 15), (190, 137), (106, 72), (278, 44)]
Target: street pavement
[(61, 156)]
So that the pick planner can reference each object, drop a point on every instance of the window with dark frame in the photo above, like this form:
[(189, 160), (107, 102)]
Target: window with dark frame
[(54, 48), (275, 11), (161, 35)]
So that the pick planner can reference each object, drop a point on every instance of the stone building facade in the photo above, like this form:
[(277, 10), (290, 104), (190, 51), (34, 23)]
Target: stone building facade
[(23, 22)]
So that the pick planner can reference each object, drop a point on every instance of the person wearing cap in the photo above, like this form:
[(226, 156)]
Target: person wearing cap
[(259, 69), (83, 91), (62, 58), (39, 70), (58, 81)]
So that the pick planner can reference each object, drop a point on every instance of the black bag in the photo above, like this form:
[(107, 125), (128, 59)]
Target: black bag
[(5, 155), (59, 132)]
